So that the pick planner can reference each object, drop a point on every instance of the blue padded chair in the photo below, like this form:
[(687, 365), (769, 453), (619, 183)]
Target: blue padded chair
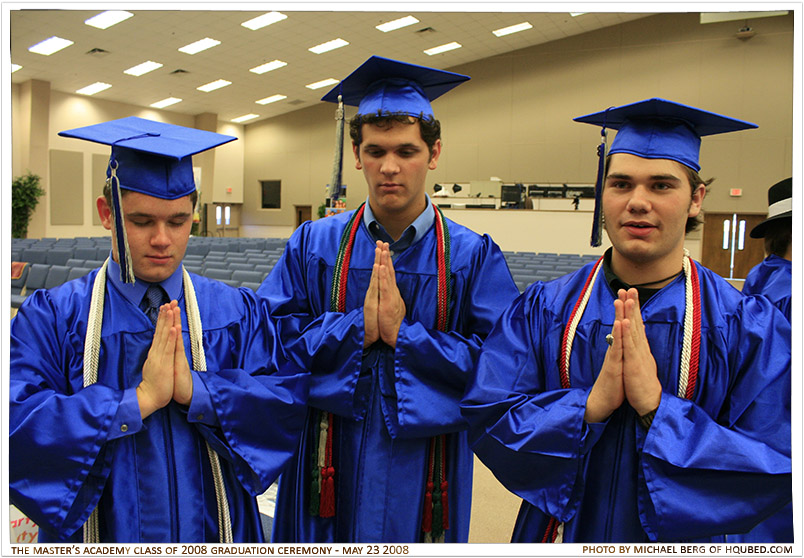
[(76, 272), (35, 255), (247, 276), (219, 274), (56, 276), (59, 256)]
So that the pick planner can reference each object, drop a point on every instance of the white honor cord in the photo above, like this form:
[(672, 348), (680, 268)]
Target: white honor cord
[(92, 352)]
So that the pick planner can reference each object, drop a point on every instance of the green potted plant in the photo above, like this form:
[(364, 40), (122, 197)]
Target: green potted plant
[(25, 194)]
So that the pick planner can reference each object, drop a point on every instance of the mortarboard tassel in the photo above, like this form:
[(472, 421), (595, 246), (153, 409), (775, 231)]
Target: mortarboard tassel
[(597, 220), (315, 473), (337, 165), (328, 474), (123, 254)]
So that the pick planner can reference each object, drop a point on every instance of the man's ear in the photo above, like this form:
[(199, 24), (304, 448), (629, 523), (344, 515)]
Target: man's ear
[(435, 154), (356, 151), (104, 212)]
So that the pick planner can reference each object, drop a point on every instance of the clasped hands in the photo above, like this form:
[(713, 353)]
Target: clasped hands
[(383, 308), (166, 372), (629, 369)]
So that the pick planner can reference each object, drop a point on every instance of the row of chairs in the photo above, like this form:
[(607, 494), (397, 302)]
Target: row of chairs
[(45, 276), (529, 267), (56, 251)]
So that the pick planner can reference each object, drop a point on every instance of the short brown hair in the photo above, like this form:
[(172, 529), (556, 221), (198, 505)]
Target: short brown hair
[(430, 128)]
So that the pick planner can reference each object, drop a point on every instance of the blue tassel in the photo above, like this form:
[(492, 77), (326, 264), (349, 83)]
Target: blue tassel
[(123, 255), (597, 222)]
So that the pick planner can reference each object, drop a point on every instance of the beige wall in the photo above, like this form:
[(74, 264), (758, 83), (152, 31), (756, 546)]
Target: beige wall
[(513, 120), (55, 111)]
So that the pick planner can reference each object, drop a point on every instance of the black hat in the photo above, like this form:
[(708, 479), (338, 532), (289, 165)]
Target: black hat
[(780, 206)]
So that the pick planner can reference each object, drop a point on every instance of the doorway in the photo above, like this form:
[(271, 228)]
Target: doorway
[(727, 249), (303, 213)]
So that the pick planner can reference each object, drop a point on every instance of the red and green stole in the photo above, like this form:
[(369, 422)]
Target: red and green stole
[(322, 495)]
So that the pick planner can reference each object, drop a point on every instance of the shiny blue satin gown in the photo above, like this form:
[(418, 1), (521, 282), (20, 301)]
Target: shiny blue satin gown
[(716, 464), (73, 448), (389, 403)]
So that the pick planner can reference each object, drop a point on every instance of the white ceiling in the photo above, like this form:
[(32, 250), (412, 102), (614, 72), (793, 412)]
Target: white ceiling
[(157, 34)]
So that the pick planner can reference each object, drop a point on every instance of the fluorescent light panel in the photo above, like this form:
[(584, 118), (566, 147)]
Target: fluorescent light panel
[(322, 83), (397, 24), (143, 68), (264, 20), (213, 85), (104, 20), (166, 102), (329, 45), (442, 48), (267, 67), (15, 67), (271, 99), (49, 46), (245, 117), (96, 87), (198, 46), (512, 29)]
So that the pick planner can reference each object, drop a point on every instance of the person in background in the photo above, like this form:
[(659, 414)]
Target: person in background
[(148, 404), (641, 398), (773, 279), (387, 306)]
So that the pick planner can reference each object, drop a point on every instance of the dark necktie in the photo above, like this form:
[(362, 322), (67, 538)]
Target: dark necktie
[(154, 297)]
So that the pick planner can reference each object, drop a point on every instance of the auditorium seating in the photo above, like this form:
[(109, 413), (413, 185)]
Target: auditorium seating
[(235, 261)]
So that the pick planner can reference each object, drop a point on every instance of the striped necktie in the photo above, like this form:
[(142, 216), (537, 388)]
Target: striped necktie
[(154, 297)]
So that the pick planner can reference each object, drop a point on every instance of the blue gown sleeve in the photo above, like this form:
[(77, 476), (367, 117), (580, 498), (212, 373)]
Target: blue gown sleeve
[(49, 415), (252, 415), (423, 387), (705, 469), (532, 438), (715, 465), (327, 344)]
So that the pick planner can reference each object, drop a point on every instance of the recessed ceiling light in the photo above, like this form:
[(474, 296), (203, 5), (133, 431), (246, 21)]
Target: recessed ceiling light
[(96, 87), (143, 68), (442, 48), (329, 45), (15, 67), (166, 102), (49, 46), (271, 99), (322, 83), (198, 46), (104, 20), (213, 85), (245, 117), (263, 20), (273, 65), (397, 24), (512, 29), (576, 14)]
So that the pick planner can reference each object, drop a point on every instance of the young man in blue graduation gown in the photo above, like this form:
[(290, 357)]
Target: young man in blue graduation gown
[(386, 306), (641, 398), (114, 435), (773, 279)]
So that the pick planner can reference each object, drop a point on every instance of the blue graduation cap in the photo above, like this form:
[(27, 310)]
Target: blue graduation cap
[(152, 158), (384, 86), (656, 129)]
